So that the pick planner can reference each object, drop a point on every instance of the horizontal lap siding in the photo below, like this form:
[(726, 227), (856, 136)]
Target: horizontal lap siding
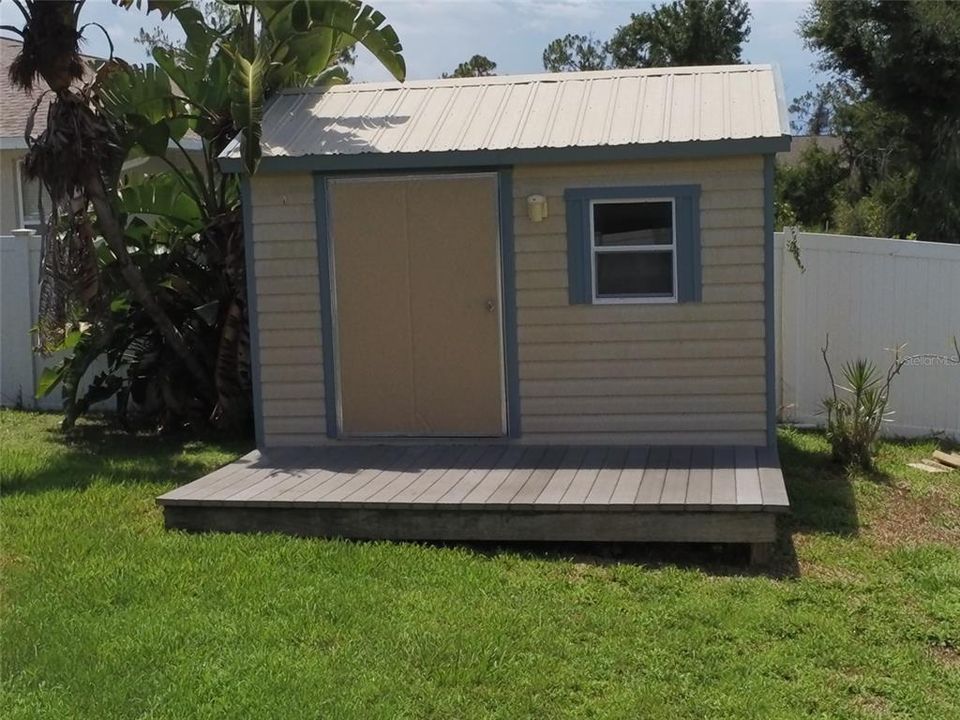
[(688, 374), (288, 310)]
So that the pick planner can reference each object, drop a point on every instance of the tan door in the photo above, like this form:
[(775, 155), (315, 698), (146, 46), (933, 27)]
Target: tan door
[(416, 276)]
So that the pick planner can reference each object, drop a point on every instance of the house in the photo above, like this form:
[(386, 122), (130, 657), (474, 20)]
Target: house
[(18, 195), (574, 267)]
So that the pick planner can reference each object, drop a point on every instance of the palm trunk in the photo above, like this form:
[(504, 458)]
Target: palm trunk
[(112, 233)]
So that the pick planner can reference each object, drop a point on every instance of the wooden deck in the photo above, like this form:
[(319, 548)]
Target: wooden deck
[(492, 492)]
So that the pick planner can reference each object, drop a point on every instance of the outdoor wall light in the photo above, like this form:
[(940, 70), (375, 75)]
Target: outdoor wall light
[(536, 207)]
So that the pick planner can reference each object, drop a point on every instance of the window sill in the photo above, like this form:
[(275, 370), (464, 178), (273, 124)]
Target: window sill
[(634, 301)]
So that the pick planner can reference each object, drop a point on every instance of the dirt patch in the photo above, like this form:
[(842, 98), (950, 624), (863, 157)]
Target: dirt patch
[(872, 705), (907, 519), (946, 655)]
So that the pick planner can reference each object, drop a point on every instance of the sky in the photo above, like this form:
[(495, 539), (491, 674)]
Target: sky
[(439, 34)]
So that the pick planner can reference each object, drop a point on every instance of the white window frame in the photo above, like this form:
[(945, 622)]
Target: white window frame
[(21, 208), (594, 249)]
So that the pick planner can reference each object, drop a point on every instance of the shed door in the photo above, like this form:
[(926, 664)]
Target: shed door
[(417, 287)]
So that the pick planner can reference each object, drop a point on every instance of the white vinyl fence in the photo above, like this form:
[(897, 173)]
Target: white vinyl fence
[(20, 368), (870, 294)]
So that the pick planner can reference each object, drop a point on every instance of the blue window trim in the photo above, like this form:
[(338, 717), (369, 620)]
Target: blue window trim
[(579, 246), (507, 279)]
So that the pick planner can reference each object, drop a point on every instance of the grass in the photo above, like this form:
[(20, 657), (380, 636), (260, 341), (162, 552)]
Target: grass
[(106, 615)]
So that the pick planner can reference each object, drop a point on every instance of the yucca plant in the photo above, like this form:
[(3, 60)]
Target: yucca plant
[(857, 410)]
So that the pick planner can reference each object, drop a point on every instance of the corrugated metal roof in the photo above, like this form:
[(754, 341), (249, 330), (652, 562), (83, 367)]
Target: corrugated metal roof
[(586, 109)]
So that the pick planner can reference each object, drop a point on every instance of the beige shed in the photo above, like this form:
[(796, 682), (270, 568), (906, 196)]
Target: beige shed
[(579, 262), (580, 257)]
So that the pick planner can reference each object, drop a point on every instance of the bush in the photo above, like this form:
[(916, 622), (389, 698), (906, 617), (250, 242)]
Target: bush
[(855, 418), (807, 192), (885, 212)]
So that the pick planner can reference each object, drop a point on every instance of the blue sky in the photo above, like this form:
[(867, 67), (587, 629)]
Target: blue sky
[(439, 34)]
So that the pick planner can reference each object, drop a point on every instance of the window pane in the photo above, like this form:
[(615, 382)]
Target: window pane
[(632, 223), (28, 202), (634, 273)]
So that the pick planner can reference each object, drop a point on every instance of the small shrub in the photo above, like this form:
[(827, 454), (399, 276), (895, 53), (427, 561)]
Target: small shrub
[(854, 418)]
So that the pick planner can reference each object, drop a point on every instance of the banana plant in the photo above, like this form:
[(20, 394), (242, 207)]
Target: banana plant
[(272, 45)]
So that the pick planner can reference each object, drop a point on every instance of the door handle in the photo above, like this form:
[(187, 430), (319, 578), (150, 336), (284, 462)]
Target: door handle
[(490, 306)]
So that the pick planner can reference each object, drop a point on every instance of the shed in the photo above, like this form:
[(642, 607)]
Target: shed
[(551, 261)]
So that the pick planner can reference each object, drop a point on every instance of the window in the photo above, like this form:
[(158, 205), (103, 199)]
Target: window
[(633, 244), (29, 192), (633, 249)]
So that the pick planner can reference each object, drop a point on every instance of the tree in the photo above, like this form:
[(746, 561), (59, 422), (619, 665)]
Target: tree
[(901, 120), (685, 32), (76, 156), (807, 192), (573, 53), (217, 15), (477, 66), (815, 110), (165, 300)]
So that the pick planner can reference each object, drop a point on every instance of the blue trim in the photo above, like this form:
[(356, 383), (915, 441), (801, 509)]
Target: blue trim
[(689, 263), (463, 159), (695, 252), (578, 251), (253, 318), (508, 284), (769, 299), (326, 303)]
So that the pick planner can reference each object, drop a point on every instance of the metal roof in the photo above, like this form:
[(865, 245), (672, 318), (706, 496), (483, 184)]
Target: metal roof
[(520, 112)]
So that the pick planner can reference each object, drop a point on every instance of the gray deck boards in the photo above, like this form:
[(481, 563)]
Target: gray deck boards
[(492, 492), (498, 476)]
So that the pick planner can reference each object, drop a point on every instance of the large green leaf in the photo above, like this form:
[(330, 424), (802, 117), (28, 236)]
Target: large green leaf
[(361, 22), (162, 196), (246, 105), (143, 104), (50, 377)]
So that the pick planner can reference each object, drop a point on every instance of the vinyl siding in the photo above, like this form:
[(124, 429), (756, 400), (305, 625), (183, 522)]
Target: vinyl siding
[(687, 373), (288, 310), (655, 374)]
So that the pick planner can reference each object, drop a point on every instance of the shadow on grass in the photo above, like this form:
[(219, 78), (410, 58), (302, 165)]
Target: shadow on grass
[(821, 494), (99, 451), (822, 501), (715, 559)]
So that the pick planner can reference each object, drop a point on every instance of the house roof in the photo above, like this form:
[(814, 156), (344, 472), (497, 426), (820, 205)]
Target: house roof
[(15, 104), (497, 116)]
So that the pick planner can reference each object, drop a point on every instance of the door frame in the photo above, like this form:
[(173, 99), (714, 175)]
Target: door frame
[(506, 281)]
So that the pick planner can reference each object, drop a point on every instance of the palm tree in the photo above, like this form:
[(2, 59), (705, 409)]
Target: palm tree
[(218, 89)]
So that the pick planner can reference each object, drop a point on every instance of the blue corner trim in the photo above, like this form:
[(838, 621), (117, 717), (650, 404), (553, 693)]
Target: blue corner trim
[(689, 262), (509, 287), (326, 303), (253, 319), (463, 159), (769, 299)]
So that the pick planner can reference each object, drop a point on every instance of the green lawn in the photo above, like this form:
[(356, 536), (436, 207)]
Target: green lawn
[(106, 615)]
